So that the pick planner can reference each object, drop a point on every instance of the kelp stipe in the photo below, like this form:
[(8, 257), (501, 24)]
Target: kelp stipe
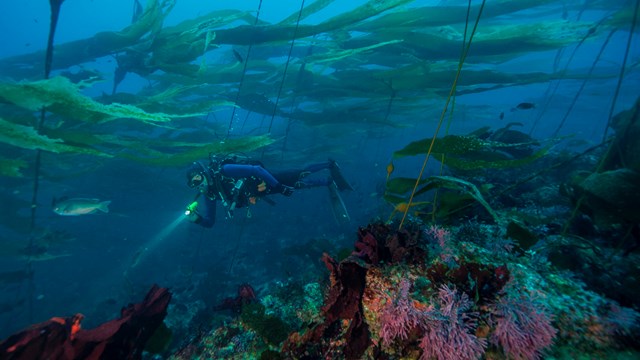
[(444, 111)]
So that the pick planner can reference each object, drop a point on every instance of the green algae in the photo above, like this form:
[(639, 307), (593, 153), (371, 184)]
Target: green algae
[(271, 328), (63, 97), (27, 137), (470, 152), (200, 151), (12, 167)]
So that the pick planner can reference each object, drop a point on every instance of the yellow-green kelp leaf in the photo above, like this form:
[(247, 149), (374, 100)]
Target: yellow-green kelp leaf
[(86, 138), (338, 55), (401, 185), (453, 183), (363, 12), (532, 36), (470, 152), (308, 10), (398, 190), (27, 137), (11, 167), (466, 164), (393, 199), (239, 145), (450, 144), (63, 97)]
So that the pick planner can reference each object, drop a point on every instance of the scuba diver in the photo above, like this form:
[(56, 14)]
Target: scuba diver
[(238, 182)]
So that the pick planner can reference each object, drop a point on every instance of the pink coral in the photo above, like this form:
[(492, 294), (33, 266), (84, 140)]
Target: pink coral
[(443, 237), (398, 317), (522, 328), (449, 329)]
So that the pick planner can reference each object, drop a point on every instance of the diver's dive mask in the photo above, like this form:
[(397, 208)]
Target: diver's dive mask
[(199, 181), (197, 177)]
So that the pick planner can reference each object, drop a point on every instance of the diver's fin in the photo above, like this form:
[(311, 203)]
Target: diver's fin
[(104, 206), (337, 205), (337, 176)]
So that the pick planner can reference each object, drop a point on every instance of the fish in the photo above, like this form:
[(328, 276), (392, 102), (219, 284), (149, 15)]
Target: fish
[(525, 106), (44, 256), (390, 169), (79, 206), (502, 115), (403, 206), (237, 55)]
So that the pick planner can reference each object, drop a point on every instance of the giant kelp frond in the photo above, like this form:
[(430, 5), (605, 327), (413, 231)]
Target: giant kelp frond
[(401, 185), (397, 189), (309, 10), (430, 15), (211, 21), (542, 35), (169, 93), (183, 43), (172, 100), (470, 152), (27, 137), (450, 144), (453, 183), (11, 167), (499, 161), (159, 151), (363, 12), (195, 152), (149, 22), (116, 111), (63, 97), (338, 55)]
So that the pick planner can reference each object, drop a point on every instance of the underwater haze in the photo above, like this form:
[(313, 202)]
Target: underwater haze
[(491, 148)]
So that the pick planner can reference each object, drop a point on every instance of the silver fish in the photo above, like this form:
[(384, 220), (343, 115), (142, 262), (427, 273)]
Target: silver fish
[(79, 206)]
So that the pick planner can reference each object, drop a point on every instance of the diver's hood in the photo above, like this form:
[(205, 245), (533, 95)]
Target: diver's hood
[(197, 168)]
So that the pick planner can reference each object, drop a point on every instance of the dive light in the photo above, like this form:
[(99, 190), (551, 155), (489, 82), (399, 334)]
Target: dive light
[(191, 208)]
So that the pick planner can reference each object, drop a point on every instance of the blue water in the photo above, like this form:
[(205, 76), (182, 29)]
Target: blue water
[(114, 258)]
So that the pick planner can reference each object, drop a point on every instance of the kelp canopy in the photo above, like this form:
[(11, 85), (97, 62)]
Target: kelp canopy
[(377, 67)]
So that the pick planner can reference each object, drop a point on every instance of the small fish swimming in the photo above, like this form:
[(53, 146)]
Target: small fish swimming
[(237, 55), (525, 106), (390, 169), (79, 206)]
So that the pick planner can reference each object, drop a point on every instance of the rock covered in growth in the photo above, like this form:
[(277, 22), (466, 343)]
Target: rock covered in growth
[(475, 305), (444, 298)]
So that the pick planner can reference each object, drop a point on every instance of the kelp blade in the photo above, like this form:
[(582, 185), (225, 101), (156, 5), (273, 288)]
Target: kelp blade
[(27, 137)]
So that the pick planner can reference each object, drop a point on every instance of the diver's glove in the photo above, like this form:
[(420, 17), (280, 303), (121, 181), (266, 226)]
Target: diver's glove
[(192, 214), (194, 217), (284, 189)]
